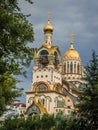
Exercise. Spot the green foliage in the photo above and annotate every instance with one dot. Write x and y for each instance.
(47, 122)
(15, 32)
(91, 72)
(8, 91)
(36, 122)
(88, 106)
(15, 54)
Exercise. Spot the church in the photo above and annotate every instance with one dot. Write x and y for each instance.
(55, 79)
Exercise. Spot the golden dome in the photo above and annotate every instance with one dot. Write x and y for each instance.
(48, 27)
(72, 54)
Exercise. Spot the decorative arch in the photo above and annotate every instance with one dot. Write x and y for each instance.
(45, 101)
(49, 98)
(30, 100)
(36, 108)
(33, 109)
(57, 87)
(42, 51)
(35, 88)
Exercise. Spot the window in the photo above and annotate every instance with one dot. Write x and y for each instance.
(42, 87)
(71, 67)
(78, 68)
(59, 102)
(43, 58)
(74, 67)
(57, 89)
(67, 67)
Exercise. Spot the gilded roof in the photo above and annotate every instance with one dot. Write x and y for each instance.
(72, 53)
(48, 27)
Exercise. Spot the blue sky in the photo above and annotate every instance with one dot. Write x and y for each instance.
(67, 16)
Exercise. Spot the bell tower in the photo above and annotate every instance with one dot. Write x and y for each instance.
(47, 59)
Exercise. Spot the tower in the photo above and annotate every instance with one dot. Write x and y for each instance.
(72, 65)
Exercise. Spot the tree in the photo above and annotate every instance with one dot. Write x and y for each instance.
(88, 106)
(15, 54)
(47, 122)
(91, 72)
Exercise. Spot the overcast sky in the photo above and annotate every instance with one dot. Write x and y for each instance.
(67, 16)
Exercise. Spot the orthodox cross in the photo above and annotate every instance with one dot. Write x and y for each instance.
(72, 36)
(49, 14)
(72, 40)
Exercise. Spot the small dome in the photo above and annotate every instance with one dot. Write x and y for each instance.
(71, 54)
(48, 27)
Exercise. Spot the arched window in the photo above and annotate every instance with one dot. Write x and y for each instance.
(43, 101)
(71, 67)
(59, 102)
(42, 87)
(43, 53)
(30, 100)
(57, 89)
(78, 68)
(56, 58)
(67, 67)
(75, 67)
(43, 58)
(56, 54)
(33, 109)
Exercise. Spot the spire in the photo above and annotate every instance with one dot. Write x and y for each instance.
(72, 40)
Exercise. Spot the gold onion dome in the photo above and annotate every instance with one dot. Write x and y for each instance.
(71, 53)
(48, 27)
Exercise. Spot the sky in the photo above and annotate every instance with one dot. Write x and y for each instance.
(67, 16)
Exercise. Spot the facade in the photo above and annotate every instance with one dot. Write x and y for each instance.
(55, 80)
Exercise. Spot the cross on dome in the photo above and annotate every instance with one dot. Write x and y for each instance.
(49, 14)
(72, 36)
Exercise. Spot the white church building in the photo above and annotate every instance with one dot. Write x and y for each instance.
(55, 79)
